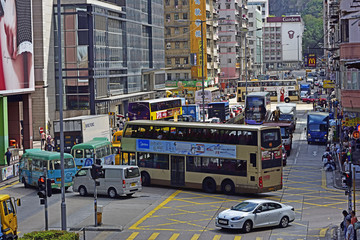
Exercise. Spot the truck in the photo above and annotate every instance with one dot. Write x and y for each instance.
(317, 127)
(192, 110)
(286, 134)
(305, 87)
(81, 129)
(219, 110)
(8, 214)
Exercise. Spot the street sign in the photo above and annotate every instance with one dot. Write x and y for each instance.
(328, 84)
(311, 60)
(41, 130)
(356, 134)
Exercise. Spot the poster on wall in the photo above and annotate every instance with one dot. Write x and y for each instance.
(7, 172)
(16, 47)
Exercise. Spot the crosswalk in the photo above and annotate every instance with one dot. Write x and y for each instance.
(196, 236)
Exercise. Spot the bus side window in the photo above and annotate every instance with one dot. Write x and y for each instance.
(88, 153)
(51, 165)
(79, 153)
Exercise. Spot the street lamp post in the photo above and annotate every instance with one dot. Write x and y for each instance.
(298, 49)
(202, 70)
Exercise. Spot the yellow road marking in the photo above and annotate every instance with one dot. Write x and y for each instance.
(280, 239)
(153, 236)
(217, 237)
(237, 238)
(195, 237)
(258, 238)
(171, 197)
(323, 232)
(10, 185)
(132, 236)
(174, 236)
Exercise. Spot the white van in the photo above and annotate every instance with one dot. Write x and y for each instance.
(115, 180)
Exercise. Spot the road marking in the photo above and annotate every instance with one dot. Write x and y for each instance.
(323, 232)
(258, 238)
(153, 236)
(171, 197)
(174, 236)
(217, 237)
(10, 185)
(314, 153)
(280, 239)
(237, 238)
(195, 237)
(132, 236)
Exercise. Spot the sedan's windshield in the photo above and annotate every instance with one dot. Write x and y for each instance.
(245, 207)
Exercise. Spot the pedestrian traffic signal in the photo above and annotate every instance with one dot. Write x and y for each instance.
(48, 188)
(348, 179)
(95, 171)
(42, 189)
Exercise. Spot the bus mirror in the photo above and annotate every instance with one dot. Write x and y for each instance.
(18, 202)
(304, 129)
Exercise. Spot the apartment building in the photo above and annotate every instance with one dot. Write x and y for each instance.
(264, 4)
(255, 40)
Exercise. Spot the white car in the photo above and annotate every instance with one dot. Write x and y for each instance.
(256, 213)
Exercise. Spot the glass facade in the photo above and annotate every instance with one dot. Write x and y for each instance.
(109, 47)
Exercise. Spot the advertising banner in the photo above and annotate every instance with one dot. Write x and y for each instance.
(186, 148)
(7, 172)
(16, 47)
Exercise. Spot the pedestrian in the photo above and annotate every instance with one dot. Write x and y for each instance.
(353, 221)
(8, 156)
(43, 140)
(346, 166)
(350, 232)
(343, 223)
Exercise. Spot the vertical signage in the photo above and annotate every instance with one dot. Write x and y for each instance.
(198, 18)
(311, 60)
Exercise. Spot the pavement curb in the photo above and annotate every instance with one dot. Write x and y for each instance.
(98, 229)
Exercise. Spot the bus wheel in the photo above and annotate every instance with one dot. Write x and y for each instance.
(24, 182)
(145, 178)
(82, 191)
(112, 192)
(228, 187)
(209, 185)
(287, 100)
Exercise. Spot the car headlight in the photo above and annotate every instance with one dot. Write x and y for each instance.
(236, 218)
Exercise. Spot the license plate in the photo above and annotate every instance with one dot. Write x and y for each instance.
(316, 140)
(133, 184)
(222, 221)
(58, 179)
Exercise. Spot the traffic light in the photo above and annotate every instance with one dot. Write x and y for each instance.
(95, 171)
(48, 187)
(42, 189)
(348, 179)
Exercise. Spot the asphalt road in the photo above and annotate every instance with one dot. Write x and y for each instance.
(167, 213)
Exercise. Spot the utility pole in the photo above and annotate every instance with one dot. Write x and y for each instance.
(202, 71)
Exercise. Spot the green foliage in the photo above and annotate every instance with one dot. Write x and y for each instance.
(50, 235)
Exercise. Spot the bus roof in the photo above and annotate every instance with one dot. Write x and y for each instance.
(44, 155)
(258, 93)
(277, 124)
(4, 197)
(114, 166)
(96, 142)
(212, 103)
(318, 113)
(197, 124)
(157, 100)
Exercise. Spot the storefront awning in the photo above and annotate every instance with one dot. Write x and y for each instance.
(353, 64)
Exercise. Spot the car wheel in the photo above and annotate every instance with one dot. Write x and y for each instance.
(209, 185)
(82, 191)
(284, 222)
(145, 179)
(228, 187)
(24, 182)
(287, 100)
(112, 193)
(247, 226)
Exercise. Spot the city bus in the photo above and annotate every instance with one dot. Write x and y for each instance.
(230, 158)
(317, 127)
(116, 145)
(257, 108)
(155, 109)
(96, 151)
(33, 162)
(280, 90)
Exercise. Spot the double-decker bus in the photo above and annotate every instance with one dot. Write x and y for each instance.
(155, 109)
(33, 162)
(280, 90)
(98, 150)
(220, 110)
(257, 108)
(214, 157)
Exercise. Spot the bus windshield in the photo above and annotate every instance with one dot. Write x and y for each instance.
(284, 132)
(139, 110)
(318, 127)
(270, 138)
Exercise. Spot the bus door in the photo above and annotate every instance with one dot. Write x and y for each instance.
(177, 170)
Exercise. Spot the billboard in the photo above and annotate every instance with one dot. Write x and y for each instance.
(291, 39)
(16, 47)
(198, 20)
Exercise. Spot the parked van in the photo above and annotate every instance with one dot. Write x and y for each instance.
(8, 217)
(115, 180)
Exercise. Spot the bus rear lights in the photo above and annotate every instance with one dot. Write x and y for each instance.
(260, 182)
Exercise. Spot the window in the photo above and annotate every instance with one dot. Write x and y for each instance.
(229, 49)
(177, 31)
(79, 153)
(177, 45)
(184, 2)
(270, 138)
(152, 160)
(167, 2)
(177, 60)
(186, 75)
(185, 16)
(229, 60)
(176, 16)
(251, 24)
(132, 172)
(227, 5)
(168, 61)
(185, 30)
(177, 76)
(186, 44)
(216, 165)
(81, 172)
(251, 15)
(186, 60)
(167, 31)
(168, 18)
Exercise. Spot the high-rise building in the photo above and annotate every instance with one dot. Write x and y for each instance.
(113, 53)
(255, 40)
(264, 4)
(232, 31)
(282, 42)
(185, 22)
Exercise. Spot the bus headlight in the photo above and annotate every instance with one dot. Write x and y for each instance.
(309, 135)
(325, 136)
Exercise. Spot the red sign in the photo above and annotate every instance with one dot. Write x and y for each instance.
(41, 130)
(312, 61)
(356, 134)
